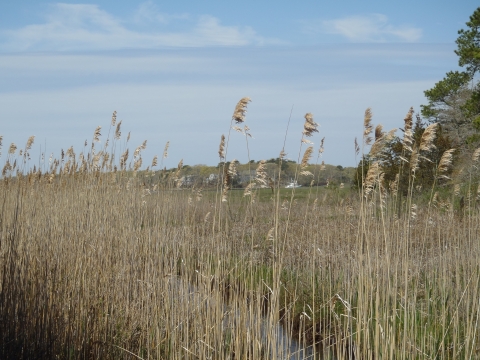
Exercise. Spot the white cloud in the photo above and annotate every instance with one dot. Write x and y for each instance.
(71, 27)
(148, 12)
(366, 28)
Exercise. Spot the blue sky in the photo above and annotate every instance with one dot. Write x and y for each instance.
(174, 71)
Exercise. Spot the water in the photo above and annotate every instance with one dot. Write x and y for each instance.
(197, 302)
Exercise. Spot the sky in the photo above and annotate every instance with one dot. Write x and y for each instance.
(174, 71)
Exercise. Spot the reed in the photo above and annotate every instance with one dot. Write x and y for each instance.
(99, 261)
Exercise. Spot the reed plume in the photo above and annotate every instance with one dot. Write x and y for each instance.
(310, 126)
(378, 132)
(12, 149)
(372, 176)
(414, 160)
(30, 141)
(367, 125)
(408, 134)
(446, 160)
(241, 110)
(475, 156)
(97, 134)
(118, 132)
(114, 118)
(221, 148)
(165, 150)
(426, 142)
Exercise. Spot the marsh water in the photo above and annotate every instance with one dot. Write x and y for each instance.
(191, 297)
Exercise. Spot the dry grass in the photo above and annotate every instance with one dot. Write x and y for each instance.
(104, 264)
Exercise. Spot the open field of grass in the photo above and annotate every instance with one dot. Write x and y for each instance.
(96, 262)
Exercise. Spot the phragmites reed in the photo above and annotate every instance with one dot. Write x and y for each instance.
(408, 134)
(29, 143)
(123, 160)
(165, 150)
(414, 160)
(306, 158)
(381, 141)
(321, 149)
(367, 125)
(378, 132)
(118, 133)
(155, 161)
(248, 189)
(426, 143)
(475, 156)
(1, 143)
(137, 164)
(221, 148)
(136, 153)
(12, 149)
(240, 110)
(310, 126)
(114, 118)
(261, 173)
(357, 148)
(372, 176)
(97, 134)
(446, 160)
(176, 176)
(232, 168)
(456, 189)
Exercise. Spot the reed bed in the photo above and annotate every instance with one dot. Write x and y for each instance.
(97, 261)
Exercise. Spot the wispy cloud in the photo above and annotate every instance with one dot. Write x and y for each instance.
(87, 27)
(365, 28)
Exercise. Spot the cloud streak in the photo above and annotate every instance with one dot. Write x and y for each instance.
(74, 27)
(365, 28)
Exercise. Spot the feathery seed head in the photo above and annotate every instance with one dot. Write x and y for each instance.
(310, 126)
(445, 160)
(248, 189)
(367, 125)
(114, 118)
(306, 157)
(155, 161)
(378, 132)
(12, 149)
(475, 157)
(118, 132)
(137, 164)
(320, 150)
(232, 168)
(29, 143)
(96, 134)
(221, 148)
(123, 160)
(426, 143)
(240, 110)
(165, 150)
(261, 174)
(414, 160)
(372, 175)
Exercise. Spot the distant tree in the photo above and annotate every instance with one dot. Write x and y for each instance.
(454, 102)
